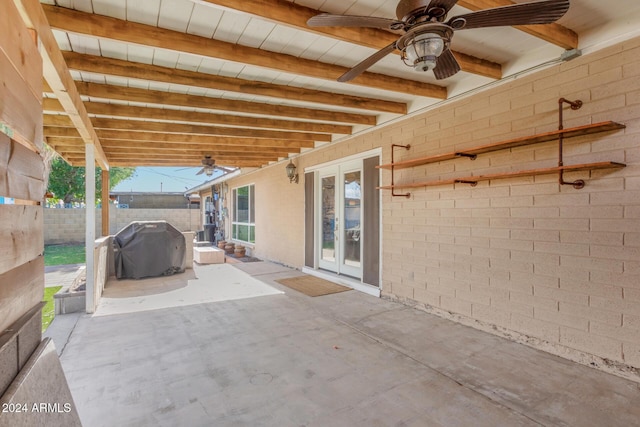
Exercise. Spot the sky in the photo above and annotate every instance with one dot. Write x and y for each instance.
(165, 179)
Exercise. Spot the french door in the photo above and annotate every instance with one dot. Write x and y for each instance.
(340, 218)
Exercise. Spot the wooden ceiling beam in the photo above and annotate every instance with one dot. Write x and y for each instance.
(117, 110)
(160, 154)
(196, 157)
(179, 140)
(147, 96)
(58, 77)
(150, 163)
(215, 142)
(130, 32)
(110, 145)
(551, 33)
(60, 131)
(136, 70)
(61, 120)
(54, 128)
(180, 128)
(296, 16)
(61, 147)
(173, 150)
(141, 137)
(79, 161)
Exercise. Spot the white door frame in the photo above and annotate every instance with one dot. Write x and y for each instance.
(315, 271)
(338, 263)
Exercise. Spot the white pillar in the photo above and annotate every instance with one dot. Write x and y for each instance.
(90, 232)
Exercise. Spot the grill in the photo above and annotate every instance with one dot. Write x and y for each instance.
(149, 249)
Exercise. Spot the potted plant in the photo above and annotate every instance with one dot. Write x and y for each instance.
(240, 251)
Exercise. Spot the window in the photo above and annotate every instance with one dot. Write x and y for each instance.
(243, 222)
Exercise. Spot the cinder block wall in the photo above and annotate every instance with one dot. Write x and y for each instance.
(556, 264)
(68, 225)
(557, 267)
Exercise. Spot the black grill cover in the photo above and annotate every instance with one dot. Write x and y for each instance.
(149, 249)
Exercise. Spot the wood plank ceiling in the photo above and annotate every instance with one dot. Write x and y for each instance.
(167, 82)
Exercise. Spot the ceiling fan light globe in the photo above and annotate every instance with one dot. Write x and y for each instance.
(426, 63)
(424, 45)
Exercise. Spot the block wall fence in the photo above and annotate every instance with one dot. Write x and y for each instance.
(548, 265)
(68, 225)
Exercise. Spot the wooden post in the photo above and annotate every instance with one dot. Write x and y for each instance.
(105, 202)
(90, 232)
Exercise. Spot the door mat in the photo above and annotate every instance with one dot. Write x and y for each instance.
(233, 258)
(312, 286)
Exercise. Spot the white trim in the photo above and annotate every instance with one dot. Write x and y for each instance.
(318, 231)
(234, 210)
(345, 281)
(380, 228)
(357, 284)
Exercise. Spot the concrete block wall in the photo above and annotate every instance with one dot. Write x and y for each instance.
(153, 200)
(68, 225)
(555, 266)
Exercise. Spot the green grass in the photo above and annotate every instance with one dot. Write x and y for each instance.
(49, 310)
(64, 254)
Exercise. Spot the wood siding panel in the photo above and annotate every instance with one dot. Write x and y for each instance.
(21, 228)
(21, 171)
(20, 109)
(20, 290)
(22, 51)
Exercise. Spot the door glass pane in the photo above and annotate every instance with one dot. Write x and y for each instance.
(328, 218)
(352, 203)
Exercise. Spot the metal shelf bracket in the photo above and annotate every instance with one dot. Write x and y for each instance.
(393, 191)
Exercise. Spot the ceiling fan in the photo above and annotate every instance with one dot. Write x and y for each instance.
(425, 44)
(209, 165)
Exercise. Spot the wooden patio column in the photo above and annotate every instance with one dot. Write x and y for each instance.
(90, 232)
(105, 202)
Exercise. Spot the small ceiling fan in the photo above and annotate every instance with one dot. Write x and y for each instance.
(425, 44)
(209, 165)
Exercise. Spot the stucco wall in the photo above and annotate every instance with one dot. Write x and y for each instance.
(68, 225)
(557, 265)
(279, 215)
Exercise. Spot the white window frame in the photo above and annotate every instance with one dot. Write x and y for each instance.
(251, 221)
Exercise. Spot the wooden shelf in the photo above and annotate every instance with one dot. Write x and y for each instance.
(530, 172)
(511, 143)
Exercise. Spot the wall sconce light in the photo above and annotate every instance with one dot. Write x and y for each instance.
(291, 172)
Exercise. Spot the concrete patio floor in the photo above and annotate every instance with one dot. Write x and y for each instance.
(285, 359)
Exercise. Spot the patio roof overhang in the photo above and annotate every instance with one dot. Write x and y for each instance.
(249, 83)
